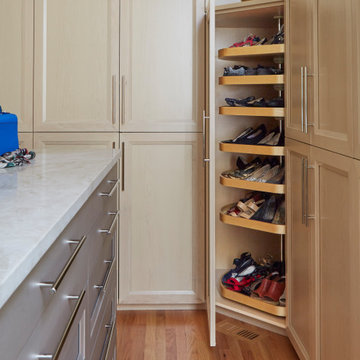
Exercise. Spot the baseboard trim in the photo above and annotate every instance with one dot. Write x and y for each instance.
(251, 321)
(144, 307)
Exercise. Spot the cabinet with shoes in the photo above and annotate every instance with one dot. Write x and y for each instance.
(246, 152)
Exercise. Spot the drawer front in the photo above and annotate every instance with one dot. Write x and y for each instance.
(52, 325)
(105, 197)
(31, 299)
(107, 328)
(98, 296)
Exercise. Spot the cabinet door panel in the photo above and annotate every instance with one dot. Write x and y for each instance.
(162, 65)
(334, 125)
(300, 253)
(26, 140)
(161, 220)
(356, 32)
(337, 219)
(78, 140)
(76, 65)
(16, 60)
(300, 54)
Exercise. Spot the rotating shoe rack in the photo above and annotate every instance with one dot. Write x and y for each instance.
(276, 52)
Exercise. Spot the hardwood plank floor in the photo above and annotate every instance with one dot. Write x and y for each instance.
(183, 335)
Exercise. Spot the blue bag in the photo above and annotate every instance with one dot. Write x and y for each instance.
(9, 140)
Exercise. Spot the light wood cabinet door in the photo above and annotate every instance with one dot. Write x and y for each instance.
(210, 179)
(76, 65)
(300, 251)
(16, 60)
(356, 32)
(161, 253)
(337, 198)
(162, 65)
(337, 80)
(76, 140)
(299, 60)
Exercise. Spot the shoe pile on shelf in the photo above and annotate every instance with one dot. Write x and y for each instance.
(253, 40)
(264, 171)
(251, 101)
(264, 280)
(258, 137)
(261, 207)
(242, 70)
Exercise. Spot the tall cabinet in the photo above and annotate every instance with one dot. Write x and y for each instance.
(323, 201)
(162, 100)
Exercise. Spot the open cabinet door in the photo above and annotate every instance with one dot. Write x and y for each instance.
(209, 161)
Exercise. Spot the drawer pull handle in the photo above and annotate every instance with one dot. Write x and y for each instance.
(107, 277)
(66, 331)
(55, 285)
(109, 231)
(111, 193)
(110, 338)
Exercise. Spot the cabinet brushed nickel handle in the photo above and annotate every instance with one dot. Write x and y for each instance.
(302, 97)
(113, 99)
(306, 99)
(307, 216)
(122, 166)
(302, 191)
(205, 158)
(105, 282)
(110, 230)
(123, 99)
(62, 341)
(111, 193)
(107, 352)
(54, 286)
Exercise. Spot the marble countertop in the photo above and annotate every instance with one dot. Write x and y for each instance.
(37, 202)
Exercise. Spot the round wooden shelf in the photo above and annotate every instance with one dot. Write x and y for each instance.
(252, 80)
(252, 111)
(253, 185)
(251, 224)
(252, 149)
(252, 302)
(240, 52)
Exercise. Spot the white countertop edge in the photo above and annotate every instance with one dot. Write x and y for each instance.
(19, 273)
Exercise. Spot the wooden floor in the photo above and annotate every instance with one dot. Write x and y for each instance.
(183, 335)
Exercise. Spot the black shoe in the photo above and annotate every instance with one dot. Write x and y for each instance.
(243, 134)
(254, 137)
(277, 102)
(267, 211)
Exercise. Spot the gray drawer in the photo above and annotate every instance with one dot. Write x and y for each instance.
(28, 303)
(52, 324)
(107, 328)
(104, 274)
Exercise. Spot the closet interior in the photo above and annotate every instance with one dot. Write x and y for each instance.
(236, 234)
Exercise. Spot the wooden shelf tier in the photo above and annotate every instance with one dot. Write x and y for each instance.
(252, 302)
(252, 80)
(251, 224)
(245, 310)
(252, 111)
(238, 53)
(253, 185)
(245, 14)
(252, 149)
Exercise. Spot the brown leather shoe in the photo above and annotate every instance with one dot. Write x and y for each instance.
(263, 288)
(276, 289)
